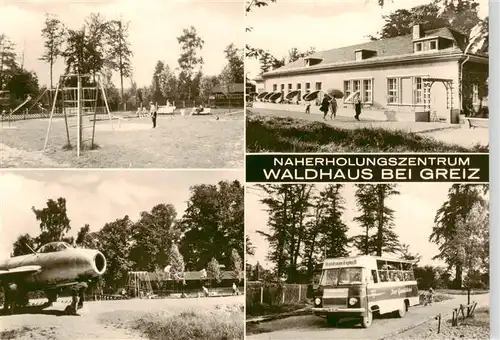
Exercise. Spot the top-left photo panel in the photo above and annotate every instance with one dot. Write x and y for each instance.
(122, 84)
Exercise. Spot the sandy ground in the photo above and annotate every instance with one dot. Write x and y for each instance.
(447, 133)
(313, 327)
(100, 320)
(211, 141)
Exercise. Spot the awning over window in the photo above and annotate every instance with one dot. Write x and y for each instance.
(275, 96)
(311, 96)
(293, 94)
(262, 95)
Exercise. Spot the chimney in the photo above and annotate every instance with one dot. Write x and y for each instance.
(417, 31)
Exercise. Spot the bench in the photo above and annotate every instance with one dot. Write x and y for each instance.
(166, 109)
(205, 111)
(477, 122)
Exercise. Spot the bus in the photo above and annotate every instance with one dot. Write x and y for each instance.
(358, 287)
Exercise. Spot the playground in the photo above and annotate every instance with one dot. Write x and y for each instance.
(211, 141)
(77, 129)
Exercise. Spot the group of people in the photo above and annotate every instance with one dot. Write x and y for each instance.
(330, 105)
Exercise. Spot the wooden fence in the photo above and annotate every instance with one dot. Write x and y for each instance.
(276, 294)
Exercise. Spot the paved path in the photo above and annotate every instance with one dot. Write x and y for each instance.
(313, 327)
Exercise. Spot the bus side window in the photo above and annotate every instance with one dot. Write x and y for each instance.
(383, 276)
(374, 276)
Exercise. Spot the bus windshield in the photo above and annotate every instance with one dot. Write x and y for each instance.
(341, 276)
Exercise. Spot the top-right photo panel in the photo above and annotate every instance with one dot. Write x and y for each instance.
(367, 76)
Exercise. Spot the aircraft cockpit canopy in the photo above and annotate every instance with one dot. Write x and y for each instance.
(53, 247)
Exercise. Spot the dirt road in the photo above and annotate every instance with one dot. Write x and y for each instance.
(312, 327)
(100, 320)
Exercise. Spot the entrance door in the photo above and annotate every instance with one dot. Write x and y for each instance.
(439, 102)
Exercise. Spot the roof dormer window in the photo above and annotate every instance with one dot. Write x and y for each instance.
(364, 54)
(312, 61)
(433, 45)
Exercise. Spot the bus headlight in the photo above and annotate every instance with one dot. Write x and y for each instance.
(353, 301)
(317, 301)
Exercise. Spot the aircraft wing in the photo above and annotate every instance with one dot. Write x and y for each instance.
(19, 271)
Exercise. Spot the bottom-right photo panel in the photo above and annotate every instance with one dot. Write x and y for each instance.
(367, 261)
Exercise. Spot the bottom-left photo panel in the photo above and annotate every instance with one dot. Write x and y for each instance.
(122, 254)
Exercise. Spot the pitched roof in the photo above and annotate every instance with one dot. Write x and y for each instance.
(235, 87)
(386, 49)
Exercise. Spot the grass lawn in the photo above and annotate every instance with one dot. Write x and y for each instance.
(217, 324)
(212, 141)
(281, 134)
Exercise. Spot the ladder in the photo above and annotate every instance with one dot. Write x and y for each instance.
(78, 102)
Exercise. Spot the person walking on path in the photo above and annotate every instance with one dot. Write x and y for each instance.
(325, 105)
(333, 106)
(357, 107)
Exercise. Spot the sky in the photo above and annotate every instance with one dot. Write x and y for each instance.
(415, 209)
(93, 197)
(325, 24)
(154, 28)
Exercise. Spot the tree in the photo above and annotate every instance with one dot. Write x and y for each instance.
(54, 35)
(120, 52)
(80, 54)
(21, 84)
(153, 235)
(409, 256)
(461, 199)
(207, 84)
(24, 245)
(115, 239)
(167, 82)
(8, 62)
(86, 239)
(375, 214)
(156, 83)
(250, 248)
(189, 60)
(334, 230)
(470, 245)
(460, 15)
(213, 224)
(294, 54)
(54, 222)
(288, 206)
(176, 263)
(235, 63)
(236, 265)
(213, 271)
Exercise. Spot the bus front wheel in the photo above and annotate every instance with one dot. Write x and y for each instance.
(366, 321)
(400, 313)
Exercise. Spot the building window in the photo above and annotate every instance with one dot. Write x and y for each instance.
(347, 88)
(359, 55)
(433, 45)
(356, 86)
(475, 94)
(308, 87)
(418, 86)
(367, 91)
(275, 87)
(392, 90)
(318, 86)
(418, 47)
(298, 86)
(289, 87)
(282, 87)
